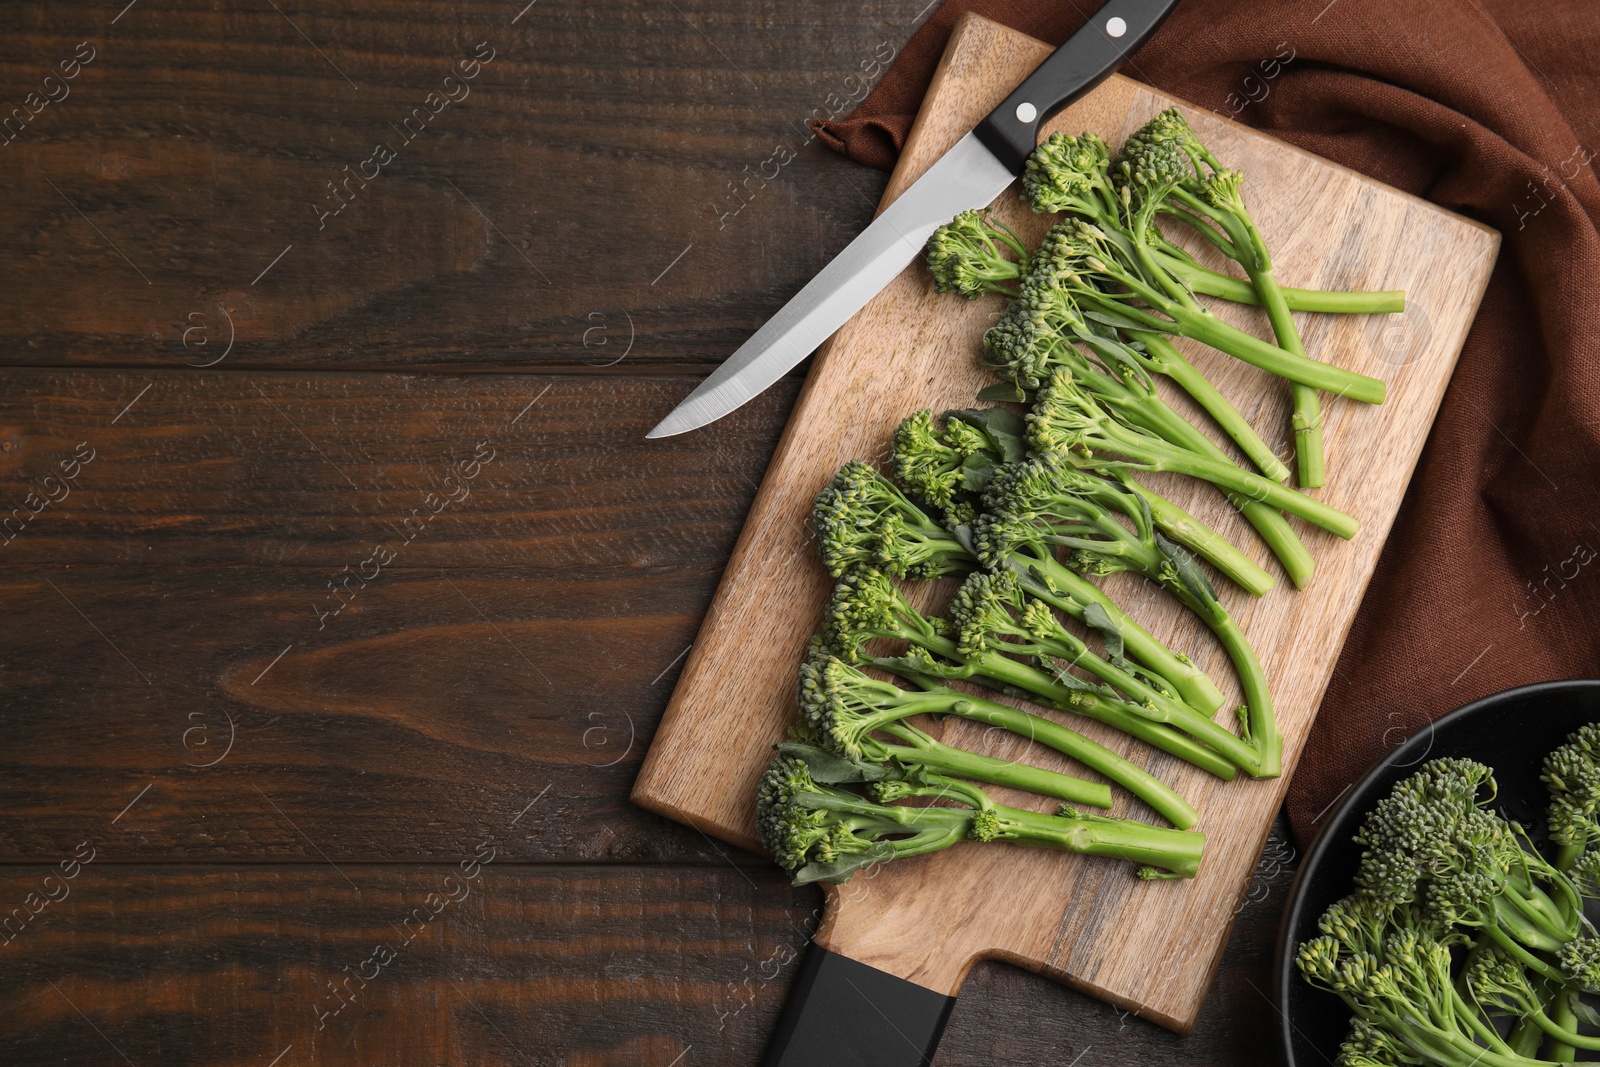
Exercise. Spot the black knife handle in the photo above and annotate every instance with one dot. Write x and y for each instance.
(842, 1013)
(1090, 56)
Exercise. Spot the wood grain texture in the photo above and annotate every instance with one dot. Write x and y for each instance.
(533, 220)
(1152, 946)
(211, 565)
(607, 965)
(311, 470)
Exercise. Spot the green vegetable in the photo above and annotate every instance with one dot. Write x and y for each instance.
(1572, 772)
(975, 264)
(949, 468)
(1043, 504)
(1069, 421)
(1456, 918)
(881, 759)
(863, 519)
(842, 707)
(1041, 332)
(825, 833)
(995, 614)
(867, 606)
(1094, 265)
(967, 255)
(1209, 198)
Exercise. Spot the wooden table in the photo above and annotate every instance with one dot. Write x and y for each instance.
(343, 591)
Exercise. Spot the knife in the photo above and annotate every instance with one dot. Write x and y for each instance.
(971, 174)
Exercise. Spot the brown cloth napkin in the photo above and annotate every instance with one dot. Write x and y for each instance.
(1491, 576)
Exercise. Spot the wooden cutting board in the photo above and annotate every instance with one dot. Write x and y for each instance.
(1149, 946)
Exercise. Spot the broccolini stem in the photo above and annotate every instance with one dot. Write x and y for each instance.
(1527, 919)
(1190, 532)
(1136, 780)
(1285, 544)
(1525, 1038)
(1154, 454)
(1208, 329)
(1069, 592)
(1310, 467)
(1260, 720)
(1219, 407)
(948, 759)
(1172, 712)
(1563, 1035)
(1257, 263)
(1000, 671)
(1199, 225)
(1567, 855)
(1563, 1016)
(1096, 835)
(1208, 282)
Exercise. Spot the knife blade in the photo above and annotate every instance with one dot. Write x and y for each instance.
(971, 174)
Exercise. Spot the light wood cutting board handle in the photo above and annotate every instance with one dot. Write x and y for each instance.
(881, 977)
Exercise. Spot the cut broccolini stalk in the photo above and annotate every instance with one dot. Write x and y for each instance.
(844, 706)
(883, 759)
(862, 519)
(1046, 503)
(868, 606)
(1087, 259)
(1068, 421)
(1165, 163)
(823, 833)
(1207, 282)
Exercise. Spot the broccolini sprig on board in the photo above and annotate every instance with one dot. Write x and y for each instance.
(824, 833)
(843, 706)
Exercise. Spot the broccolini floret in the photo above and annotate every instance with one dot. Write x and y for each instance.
(1572, 773)
(972, 255)
(862, 519)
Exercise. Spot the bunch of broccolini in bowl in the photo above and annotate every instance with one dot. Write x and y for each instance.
(1464, 941)
(1029, 502)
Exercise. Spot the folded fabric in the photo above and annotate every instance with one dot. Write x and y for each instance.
(1491, 575)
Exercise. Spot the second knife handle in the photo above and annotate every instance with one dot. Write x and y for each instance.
(1087, 58)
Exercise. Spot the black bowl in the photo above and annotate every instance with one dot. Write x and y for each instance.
(1511, 732)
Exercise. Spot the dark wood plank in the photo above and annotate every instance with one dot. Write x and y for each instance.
(387, 673)
(434, 700)
(612, 965)
(596, 965)
(532, 221)
(313, 470)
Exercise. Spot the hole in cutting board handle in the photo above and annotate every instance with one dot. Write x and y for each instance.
(842, 1012)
